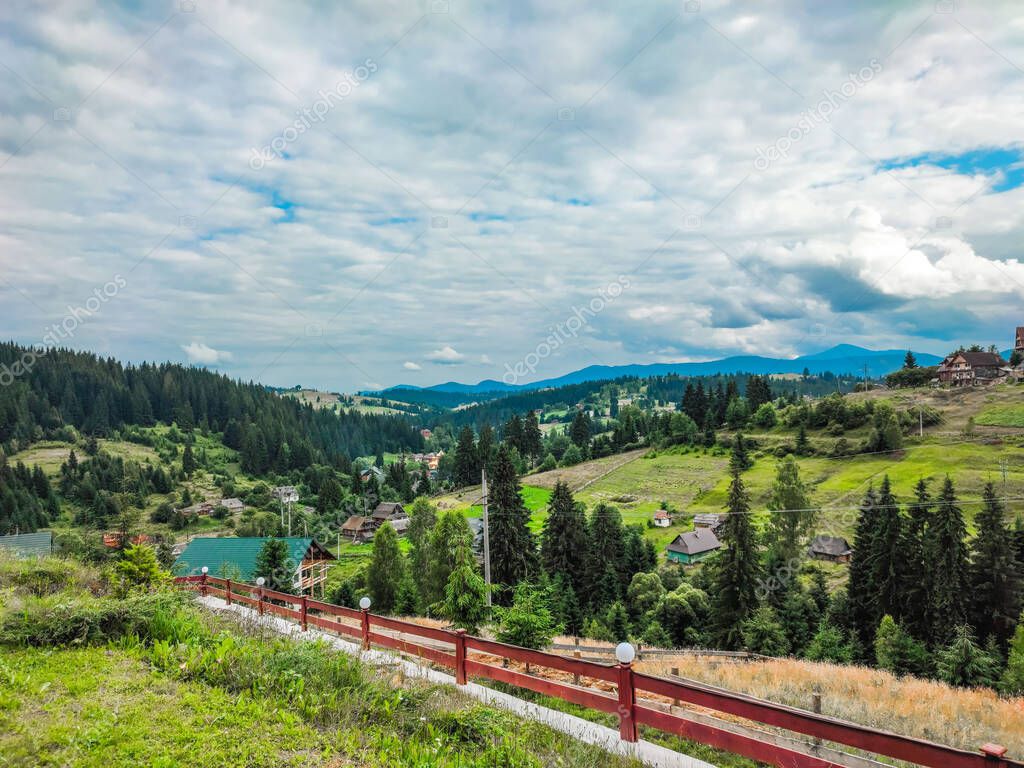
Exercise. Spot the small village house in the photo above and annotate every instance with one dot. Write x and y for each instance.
(662, 519)
(235, 558)
(708, 520)
(232, 505)
(964, 369)
(693, 546)
(391, 513)
(833, 549)
(358, 529)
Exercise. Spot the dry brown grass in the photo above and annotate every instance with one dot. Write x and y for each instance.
(922, 708)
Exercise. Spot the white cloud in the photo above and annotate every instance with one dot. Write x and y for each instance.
(411, 366)
(204, 355)
(446, 355)
(655, 179)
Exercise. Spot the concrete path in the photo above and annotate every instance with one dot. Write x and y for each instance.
(580, 729)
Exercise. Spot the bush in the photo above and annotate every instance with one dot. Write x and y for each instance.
(66, 620)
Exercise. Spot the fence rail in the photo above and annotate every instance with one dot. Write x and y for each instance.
(365, 626)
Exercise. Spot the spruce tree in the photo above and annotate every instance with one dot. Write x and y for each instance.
(863, 602)
(188, 461)
(994, 575)
(763, 633)
(465, 594)
(579, 430)
(606, 554)
(446, 538)
(963, 663)
(563, 544)
(274, 564)
(617, 622)
(915, 571)
(740, 461)
(947, 557)
(512, 547)
(386, 569)
(737, 569)
(467, 464)
(422, 519)
(532, 439)
(887, 557)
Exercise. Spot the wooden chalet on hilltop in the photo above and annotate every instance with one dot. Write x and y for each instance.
(963, 369)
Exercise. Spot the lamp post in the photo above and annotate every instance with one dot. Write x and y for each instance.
(202, 589)
(364, 606)
(260, 581)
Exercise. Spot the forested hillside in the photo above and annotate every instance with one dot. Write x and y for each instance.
(63, 388)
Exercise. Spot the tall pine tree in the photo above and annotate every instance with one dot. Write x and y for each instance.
(737, 569)
(947, 556)
(512, 548)
(994, 577)
(563, 546)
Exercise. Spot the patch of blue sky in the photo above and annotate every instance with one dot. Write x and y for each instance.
(1004, 164)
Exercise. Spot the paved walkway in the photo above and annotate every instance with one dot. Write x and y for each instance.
(580, 729)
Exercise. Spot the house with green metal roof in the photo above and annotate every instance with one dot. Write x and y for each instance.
(234, 558)
(23, 545)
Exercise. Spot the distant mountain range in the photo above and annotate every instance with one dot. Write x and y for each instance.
(841, 359)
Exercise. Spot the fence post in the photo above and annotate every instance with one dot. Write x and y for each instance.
(627, 704)
(366, 628)
(675, 673)
(625, 653)
(460, 657)
(202, 587)
(227, 590)
(305, 613)
(259, 595)
(816, 708)
(576, 675)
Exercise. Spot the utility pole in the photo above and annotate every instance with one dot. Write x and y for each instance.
(487, 537)
(920, 420)
(1003, 467)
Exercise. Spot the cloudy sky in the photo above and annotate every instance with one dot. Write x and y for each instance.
(391, 191)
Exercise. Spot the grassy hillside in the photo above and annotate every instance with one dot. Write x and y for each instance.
(153, 681)
(695, 480)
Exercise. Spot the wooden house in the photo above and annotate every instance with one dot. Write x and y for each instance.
(358, 528)
(834, 549)
(391, 513)
(709, 520)
(692, 546)
(962, 369)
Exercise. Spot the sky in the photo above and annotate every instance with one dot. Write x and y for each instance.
(355, 195)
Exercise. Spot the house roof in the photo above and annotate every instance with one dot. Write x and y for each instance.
(708, 518)
(661, 514)
(836, 546)
(356, 523)
(237, 555)
(28, 544)
(978, 359)
(695, 542)
(385, 509)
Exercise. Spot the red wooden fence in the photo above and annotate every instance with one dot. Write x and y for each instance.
(632, 713)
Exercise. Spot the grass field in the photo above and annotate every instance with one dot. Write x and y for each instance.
(695, 481)
(1007, 415)
(100, 708)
